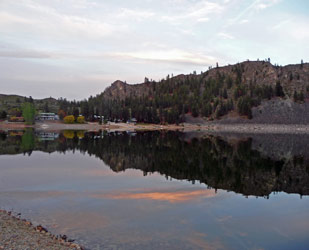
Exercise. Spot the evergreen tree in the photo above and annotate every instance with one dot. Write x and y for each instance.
(279, 90)
(28, 111)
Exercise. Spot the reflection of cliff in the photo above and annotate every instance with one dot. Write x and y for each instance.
(236, 165)
(231, 166)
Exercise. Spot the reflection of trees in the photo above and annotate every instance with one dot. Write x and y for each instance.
(27, 141)
(210, 160)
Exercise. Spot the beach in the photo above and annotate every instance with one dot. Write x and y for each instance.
(185, 127)
(19, 234)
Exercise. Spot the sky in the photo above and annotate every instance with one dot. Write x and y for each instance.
(77, 48)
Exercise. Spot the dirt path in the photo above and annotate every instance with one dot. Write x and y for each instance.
(211, 126)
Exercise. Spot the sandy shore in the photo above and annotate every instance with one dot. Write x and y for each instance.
(19, 234)
(186, 127)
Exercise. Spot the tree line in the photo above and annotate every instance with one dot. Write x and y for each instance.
(171, 99)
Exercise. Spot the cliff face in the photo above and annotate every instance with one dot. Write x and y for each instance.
(120, 90)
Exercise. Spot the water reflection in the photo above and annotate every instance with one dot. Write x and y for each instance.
(160, 195)
(134, 191)
(243, 165)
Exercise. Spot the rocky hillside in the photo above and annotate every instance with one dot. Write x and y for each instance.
(258, 73)
(11, 104)
(212, 94)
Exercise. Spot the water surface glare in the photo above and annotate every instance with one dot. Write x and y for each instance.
(152, 190)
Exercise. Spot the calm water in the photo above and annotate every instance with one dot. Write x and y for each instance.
(154, 190)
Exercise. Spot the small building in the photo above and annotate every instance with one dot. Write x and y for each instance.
(47, 117)
(132, 121)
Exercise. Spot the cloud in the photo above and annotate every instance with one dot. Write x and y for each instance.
(199, 12)
(203, 9)
(12, 51)
(172, 56)
(203, 19)
(43, 21)
(254, 6)
(225, 35)
(243, 21)
(7, 18)
(280, 24)
(263, 4)
(138, 15)
(24, 54)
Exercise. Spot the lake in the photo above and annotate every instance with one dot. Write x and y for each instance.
(160, 190)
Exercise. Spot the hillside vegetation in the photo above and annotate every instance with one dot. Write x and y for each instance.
(12, 104)
(211, 94)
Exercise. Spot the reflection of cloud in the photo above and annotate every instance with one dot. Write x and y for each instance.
(170, 196)
(224, 218)
(33, 195)
(200, 240)
(79, 221)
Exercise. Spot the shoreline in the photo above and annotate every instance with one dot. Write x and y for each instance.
(16, 233)
(186, 127)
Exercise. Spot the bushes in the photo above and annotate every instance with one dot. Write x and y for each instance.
(69, 119)
(80, 119)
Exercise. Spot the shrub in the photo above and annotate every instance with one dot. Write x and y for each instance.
(69, 119)
(80, 119)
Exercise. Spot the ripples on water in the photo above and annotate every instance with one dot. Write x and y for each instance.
(160, 190)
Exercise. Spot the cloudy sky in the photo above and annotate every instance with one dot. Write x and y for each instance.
(76, 48)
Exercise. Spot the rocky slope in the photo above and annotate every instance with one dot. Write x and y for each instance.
(292, 78)
(276, 94)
